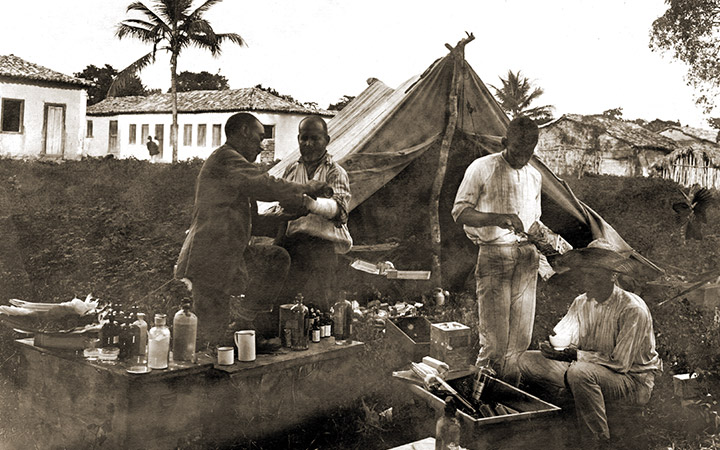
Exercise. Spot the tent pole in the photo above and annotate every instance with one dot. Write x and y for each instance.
(458, 54)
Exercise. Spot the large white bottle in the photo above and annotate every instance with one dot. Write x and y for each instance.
(159, 343)
(184, 334)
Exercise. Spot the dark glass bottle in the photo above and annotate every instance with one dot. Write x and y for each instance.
(300, 324)
(342, 320)
(110, 331)
(315, 330)
(130, 335)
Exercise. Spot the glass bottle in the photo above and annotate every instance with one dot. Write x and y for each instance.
(143, 338)
(342, 320)
(483, 372)
(447, 428)
(123, 335)
(184, 333)
(159, 343)
(315, 331)
(110, 331)
(300, 324)
(328, 325)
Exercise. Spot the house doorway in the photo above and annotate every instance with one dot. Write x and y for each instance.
(54, 130)
(113, 137)
(160, 137)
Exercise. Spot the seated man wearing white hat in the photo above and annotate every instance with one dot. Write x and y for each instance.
(609, 349)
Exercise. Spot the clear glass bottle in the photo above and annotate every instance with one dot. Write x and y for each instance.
(143, 340)
(447, 428)
(159, 343)
(300, 324)
(342, 314)
(184, 333)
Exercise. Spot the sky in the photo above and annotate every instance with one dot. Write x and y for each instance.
(588, 56)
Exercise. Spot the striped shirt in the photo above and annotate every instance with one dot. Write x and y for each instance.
(617, 333)
(330, 172)
(491, 185)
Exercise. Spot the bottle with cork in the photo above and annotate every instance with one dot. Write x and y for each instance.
(447, 428)
(159, 343)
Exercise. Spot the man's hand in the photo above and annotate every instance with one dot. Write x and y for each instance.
(510, 222)
(315, 189)
(293, 208)
(568, 354)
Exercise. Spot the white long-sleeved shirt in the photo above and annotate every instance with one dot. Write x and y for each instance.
(617, 333)
(491, 185)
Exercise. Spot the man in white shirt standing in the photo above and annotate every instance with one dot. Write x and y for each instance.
(497, 202)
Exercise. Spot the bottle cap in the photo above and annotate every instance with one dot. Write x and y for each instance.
(160, 319)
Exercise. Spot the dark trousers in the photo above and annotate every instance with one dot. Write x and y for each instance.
(313, 270)
(267, 267)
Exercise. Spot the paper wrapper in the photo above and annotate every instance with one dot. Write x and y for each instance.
(547, 241)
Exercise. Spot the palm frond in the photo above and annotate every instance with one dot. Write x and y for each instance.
(202, 9)
(146, 11)
(177, 11)
(124, 76)
(701, 201)
(232, 37)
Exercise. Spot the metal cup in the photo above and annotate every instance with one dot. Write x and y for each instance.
(225, 356)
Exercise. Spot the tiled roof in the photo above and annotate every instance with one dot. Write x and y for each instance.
(15, 67)
(629, 132)
(248, 99)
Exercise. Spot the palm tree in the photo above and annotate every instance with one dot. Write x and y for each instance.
(516, 95)
(171, 26)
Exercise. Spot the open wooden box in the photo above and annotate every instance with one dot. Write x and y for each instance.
(535, 424)
(412, 335)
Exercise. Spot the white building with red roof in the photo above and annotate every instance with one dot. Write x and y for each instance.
(42, 112)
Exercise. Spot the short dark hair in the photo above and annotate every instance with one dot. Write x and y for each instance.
(522, 125)
(524, 128)
(237, 121)
(316, 119)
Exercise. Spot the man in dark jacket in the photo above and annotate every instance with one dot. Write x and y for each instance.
(232, 281)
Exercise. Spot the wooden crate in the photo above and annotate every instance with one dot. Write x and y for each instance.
(450, 342)
(411, 335)
(536, 425)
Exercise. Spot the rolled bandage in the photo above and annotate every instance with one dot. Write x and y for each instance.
(325, 207)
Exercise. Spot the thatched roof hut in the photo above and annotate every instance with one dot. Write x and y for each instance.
(696, 163)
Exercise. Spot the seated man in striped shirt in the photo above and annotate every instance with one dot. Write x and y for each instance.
(610, 353)
(314, 240)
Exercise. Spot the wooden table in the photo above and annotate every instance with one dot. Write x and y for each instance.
(84, 404)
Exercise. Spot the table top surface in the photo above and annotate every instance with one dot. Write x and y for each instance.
(207, 360)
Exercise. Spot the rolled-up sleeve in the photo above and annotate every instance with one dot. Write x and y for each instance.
(340, 183)
(469, 191)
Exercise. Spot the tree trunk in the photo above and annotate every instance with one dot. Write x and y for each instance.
(458, 54)
(173, 90)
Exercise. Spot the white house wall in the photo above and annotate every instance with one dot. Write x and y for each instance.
(29, 143)
(286, 126)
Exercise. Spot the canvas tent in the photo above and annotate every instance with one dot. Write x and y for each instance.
(391, 142)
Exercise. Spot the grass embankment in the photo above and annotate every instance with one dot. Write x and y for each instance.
(114, 229)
